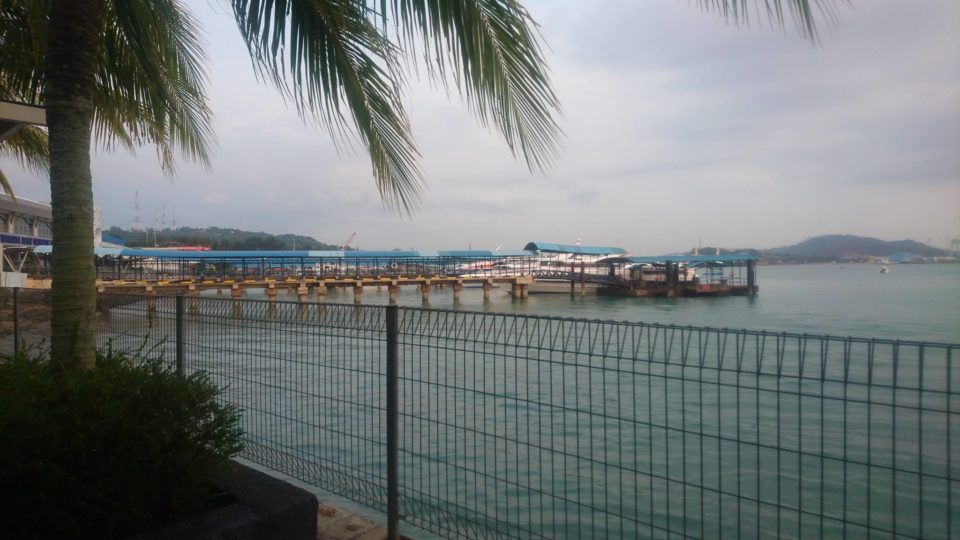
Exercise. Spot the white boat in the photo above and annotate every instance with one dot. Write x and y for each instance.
(884, 269)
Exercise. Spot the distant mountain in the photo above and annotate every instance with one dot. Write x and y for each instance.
(850, 247)
(218, 239)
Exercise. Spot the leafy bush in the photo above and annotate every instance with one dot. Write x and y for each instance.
(106, 452)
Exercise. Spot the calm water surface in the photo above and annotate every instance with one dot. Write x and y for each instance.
(539, 443)
(911, 302)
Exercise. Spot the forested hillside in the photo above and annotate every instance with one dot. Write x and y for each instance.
(217, 238)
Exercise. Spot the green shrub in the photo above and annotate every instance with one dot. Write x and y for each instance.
(107, 452)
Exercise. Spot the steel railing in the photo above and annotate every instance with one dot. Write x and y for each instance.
(488, 425)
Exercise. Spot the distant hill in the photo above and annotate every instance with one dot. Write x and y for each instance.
(218, 239)
(849, 247)
(836, 247)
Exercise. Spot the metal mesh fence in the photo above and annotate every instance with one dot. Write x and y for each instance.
(24, 321)
(309, 379)
(545, 427)
(537, 427)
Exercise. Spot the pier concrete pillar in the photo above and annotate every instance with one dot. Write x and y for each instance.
(151, 298)
(515, 290)
(487, 287)
(751, 278)
(583, 278)
(669, 276)
(219, 291)
(457, 288)
(235, 293)
(524, 291)
(271, 292)
(103, 306)
(425, 291)
(302, 291)
(321, 291)
(358, 292)
(393, 289)
(194, 296)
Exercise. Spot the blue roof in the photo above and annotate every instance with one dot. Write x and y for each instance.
(724, 257)
(571, 248)
(174, 254)
(196, 255)
(483, 253)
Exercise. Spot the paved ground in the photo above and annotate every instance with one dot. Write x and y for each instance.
(336, 524)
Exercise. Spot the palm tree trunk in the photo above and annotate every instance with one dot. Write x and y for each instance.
(69, 88)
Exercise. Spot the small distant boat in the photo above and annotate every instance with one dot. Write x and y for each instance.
(884, 269)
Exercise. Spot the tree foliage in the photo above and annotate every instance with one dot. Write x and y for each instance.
(218, 238)
(131, 73)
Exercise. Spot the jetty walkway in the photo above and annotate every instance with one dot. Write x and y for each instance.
(537, 268)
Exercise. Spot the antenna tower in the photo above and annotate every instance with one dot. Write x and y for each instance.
(137, 225)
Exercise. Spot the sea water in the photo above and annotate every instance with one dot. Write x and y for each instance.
(527, 441)
(918, 302)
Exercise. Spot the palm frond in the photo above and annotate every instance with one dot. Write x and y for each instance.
(807, 15)
(28, 147)
(327, 55)
(5, 185)
(490, 49)
(150, 79)
(23, 30)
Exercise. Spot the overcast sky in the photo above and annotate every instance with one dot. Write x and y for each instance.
(679, 129)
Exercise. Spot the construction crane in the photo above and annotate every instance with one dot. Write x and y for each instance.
(346, 245)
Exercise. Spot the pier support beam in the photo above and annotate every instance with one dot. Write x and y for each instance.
(302, 291)
(236, 292)
(525, 291)
(425, 292)
(457, 288)
(393, 289)
(151, 299)
(487, 287)
(103, 306)
(671, 283)
(358, 292)
(271, 292)
(194, 295)
(751, 278)
(321, 291)
(583, 278)
(515, 290)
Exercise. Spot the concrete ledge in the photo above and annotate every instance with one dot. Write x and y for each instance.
(265, 508)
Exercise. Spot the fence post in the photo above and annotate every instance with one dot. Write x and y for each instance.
(16, 322)
(393, 482)
(179, 335)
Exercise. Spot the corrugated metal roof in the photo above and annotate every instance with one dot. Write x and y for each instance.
(724, 257)
(571, 248)
(484, 253)
(363, 254)
(173, 254)
(98, 251)
(196, 255)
